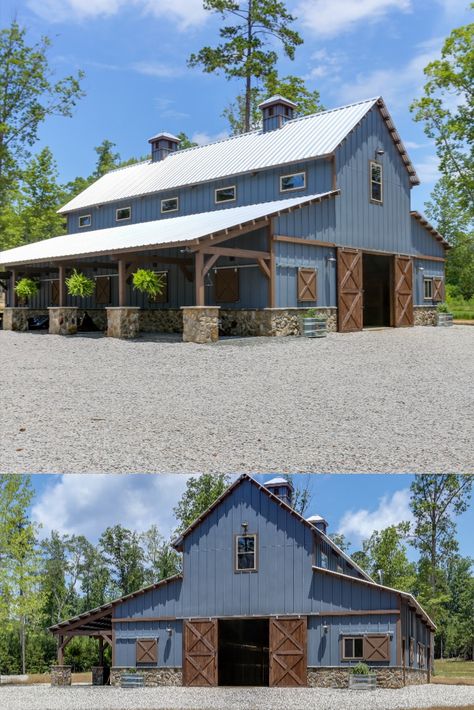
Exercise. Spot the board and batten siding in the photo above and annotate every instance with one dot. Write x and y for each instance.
(423, 269)
(169, 645)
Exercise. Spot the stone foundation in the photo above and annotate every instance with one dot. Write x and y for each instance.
(16, 319)
(424, 315)
(97, 675)
(200, 324)
(62, 320)
(163, 320)
(123, 322)
(270, 321)
(153, 676)
(338, 677)
(61, 675)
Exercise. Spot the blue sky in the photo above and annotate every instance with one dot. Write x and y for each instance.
(353, 504)
(134, 54)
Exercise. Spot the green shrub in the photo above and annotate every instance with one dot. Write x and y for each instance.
(78, 284)
(313, 313)
(360, 669)
(442, 308)
(26, 288)
(149, 282)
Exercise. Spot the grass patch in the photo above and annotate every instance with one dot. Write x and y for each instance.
(454, 672)
(45, 678)
(459, 307)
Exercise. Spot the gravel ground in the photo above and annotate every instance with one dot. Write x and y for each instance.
(89, 698)
(377, 401)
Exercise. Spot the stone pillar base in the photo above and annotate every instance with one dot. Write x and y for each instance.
(200, 324)
(61, 675)
(97, 675)
(62, 320)
(123, 322)
(16, 318)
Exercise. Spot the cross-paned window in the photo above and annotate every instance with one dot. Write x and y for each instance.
(352, 647)
(376, 175)
(428, 289)
(245, 553)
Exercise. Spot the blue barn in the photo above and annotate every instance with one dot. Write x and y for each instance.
(265, 597)
(246, 233)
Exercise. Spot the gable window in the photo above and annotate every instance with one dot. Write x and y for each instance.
(376, 174)
(225, 194)
(428, 289)
(123, 213)
(296, 181)
(324, 560)
(352, 647)
(171, 204)
(85, 220)
(245, 553)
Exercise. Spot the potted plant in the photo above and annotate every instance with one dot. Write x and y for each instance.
(78, 284)
(314, 324)
(443, 316)
(148, 282)
(361, 677)
(26, 288)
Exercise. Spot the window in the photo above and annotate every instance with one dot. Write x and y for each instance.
(171, 204)
(225, 194)
(352, 647)
(428, 289)
(297, 181)
(324, 560)
(123, 213)
(245, 553)
(85, 220)
(376, 173)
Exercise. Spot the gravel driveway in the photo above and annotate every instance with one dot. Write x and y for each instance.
(89, 698)
(376, 401)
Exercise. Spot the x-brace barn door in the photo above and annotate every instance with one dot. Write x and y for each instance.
(288, 652)
(349, 290)
(200, 653)
(403, 292)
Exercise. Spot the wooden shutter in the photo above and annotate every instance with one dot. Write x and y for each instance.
(54, 293)
(147, 651)
(102, 290)
(307, 285)
(200, 653)
(288, 652)
(438, 289)
(349, 290)
(376, 648)
(403, 292)
(226, 285)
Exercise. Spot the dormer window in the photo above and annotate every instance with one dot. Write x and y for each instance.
(85, 220)
(225, 194)
(171, 204)
(123, 213)
(245, 553)
(376, 174)
(295, 181)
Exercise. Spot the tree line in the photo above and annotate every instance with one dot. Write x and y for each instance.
(44, 580)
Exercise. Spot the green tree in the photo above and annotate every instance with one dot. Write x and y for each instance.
(160, 559)
(201, 492)
(185, 141)
(459, 631)
(341, 541)
(41, 196)
(107, 159)
(244, 51)
(386, 558)
(123, 556)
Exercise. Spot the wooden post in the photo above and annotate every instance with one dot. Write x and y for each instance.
(199, 278)
(13, 297)
(62, 286)
(60, 651)
(122, 283)
(101, 651)
(272, 279)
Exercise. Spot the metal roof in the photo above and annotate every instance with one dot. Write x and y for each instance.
(302, 138)
(163, 232)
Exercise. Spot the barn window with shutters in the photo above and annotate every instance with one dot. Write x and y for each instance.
(226, 285)
(428, 289)
(147, 652)
(438, 289)
(376, 648)
(352, 647)
(307, 285)
(246, 553)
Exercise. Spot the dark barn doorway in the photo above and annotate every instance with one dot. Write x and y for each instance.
(377, 290)
(243, 655)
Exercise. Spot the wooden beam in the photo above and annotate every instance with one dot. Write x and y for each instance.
(135, 619)
(159, 259)
(359, 612)
(13, 300)
(87, 618)
(101, 651)
(62, 286)
(199, 278)
(210, 263)
(231, 233)
(122, 282)
(272, 279)
(398, 630)
(63, 642)
(242, 253)
(262, 265)
(306, 242)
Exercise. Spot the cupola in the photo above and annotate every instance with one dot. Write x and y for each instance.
(318, 522)
(162, 144)
(281, 488)
(276, 111)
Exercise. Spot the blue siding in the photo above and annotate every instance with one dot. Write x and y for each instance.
(423, 242)
(324, 647)
(424, 270)
(169, 647)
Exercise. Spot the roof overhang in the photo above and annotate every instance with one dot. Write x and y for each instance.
(429, 228)
(164, 233)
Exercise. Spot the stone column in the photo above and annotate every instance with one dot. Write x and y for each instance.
(200, 324)
(62, 320)
(97, 675)
(15, 319)
(123, 322)
(61, 675)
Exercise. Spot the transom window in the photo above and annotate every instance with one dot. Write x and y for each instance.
(352, 647)
(225, 194)
(171, 204)
(245, 553)
(123, 213)
(428, 289)
(296, 181)
(376, 175)
(85, 220)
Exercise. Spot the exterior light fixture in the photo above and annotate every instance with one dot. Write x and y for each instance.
(325, 628)
(185, 250)
(420, 268)
(169, 631)
(379, 151)
(331, 259)
(244, 525)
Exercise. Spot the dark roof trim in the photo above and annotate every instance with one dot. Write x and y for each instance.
(414, 179)
(429, 228)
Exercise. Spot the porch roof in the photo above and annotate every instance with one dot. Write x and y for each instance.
(170, 232)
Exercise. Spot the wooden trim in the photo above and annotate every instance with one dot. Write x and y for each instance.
(272, 266)
(132, 620)
(200, 295)
(343, 652)
(398, 631)
(360, 612)
(333, 245)
(429, 258)
(373, 200)
(306, 242)
(250, 569)
(68, 627)
(122, 282)
(263, 266)
(210, 263)
(242, 253)
(62, 286)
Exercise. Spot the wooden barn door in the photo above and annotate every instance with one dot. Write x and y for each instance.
(288, 652)
(403, 292)
(349, 290)
(200, 653)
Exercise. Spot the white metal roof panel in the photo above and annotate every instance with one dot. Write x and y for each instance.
(298, 139)
(149, 234)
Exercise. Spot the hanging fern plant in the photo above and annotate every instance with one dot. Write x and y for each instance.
(78, 284)
(148, 282)
(26, 288)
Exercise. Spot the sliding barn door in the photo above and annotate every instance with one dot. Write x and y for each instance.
(403, 292)
(200, 653)
(288, 652)
(349, 290)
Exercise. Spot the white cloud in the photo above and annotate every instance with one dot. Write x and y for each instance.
(202, 138)
(166, 110)
(187, 13)
(331, 18)
(158, 69)
(428, 169)
(413, 145)
(87, 504)
(325, 65)
(360, 524)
